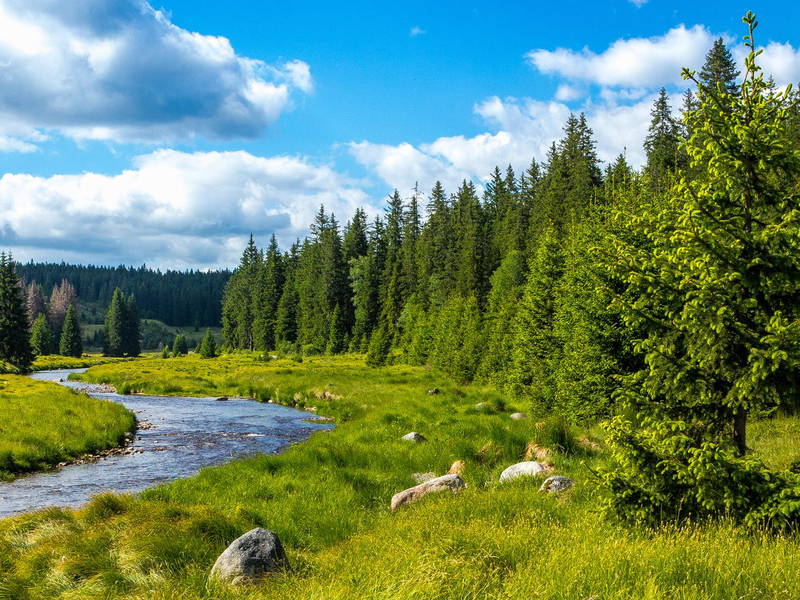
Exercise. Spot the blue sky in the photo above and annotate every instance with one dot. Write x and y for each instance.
(165, 132)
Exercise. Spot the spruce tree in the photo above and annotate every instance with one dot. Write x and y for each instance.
(71, 343)
(180, 346)
(15, 345)
(337, 335)
(208, 346)
(131, 330)
(719, 69)
(35, 301)
(41, 336)
(661, 143)
(115, 324)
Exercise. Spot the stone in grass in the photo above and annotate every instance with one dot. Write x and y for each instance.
(518, 416)
(450, 482)
(556, 483)
(249, 557)
(414, 437)
(433, 391)
(529, 468)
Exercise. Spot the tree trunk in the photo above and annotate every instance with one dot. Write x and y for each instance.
(740, 431)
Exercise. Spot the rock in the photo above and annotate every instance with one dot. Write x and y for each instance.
(457, 468)
(222, 399)
(556, 483)
(433, 391)
(250, 557)
(518, 416)
(414, 437)
(450, 482)
(423, 477)
(483, 406)
(529, 468)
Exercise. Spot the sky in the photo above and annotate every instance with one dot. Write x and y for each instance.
(165, 133)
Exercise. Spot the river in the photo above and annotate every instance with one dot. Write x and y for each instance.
(179, 436)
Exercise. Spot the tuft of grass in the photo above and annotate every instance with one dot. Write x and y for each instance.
(51, 362)
(328, 500)
(42, 424)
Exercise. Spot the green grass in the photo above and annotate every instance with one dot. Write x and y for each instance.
(328, 499)
(42, 424)
(50, 362)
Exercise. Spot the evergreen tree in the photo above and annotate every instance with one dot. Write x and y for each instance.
(131, 328)
(61, 298)
(237, 306)
(71, 343)
(715, 297)
(115, 324)
(337, 335)
(719, 69)
(180, 346)
(286, 314)
(35, 301)
(41, 336)
(208, 346)
(436, 248)
(15, 345)
(661, 143)
(379, 348)
(270, 290)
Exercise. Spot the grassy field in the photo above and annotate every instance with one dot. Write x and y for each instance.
(42, 424)
(328, 500)
(56, 361)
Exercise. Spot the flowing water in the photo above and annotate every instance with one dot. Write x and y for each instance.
(177, 436)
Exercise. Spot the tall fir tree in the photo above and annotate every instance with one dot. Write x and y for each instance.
(71, 343)
(15, 346)
(719, 68)
(41, 337)
(115, 325)
(661, 144)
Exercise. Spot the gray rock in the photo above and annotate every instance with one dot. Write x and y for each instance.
(529, 468)
(250, 557)
(423, 477)
(433, 391)
(482, 406)
(450, 482)
(414, 437)
(518, 416)
(556, 483)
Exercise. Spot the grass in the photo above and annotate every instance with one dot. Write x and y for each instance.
(328, 500)
(51, 362)
(42, 424)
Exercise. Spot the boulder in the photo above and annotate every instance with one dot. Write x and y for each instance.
(528, 468)
(450, 482)
(482, 406)
(556, 483)
(222, 399)
(423, 477)
(414, 437)
(433, 391)
(249, 557)
(518, 416)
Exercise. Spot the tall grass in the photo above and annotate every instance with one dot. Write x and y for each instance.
(328, 500)
(51, 362)
(42, 424)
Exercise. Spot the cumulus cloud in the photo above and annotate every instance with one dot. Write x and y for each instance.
(416, 30)
(638, 3)
(633, 62)
(171, 209)
(122, 71)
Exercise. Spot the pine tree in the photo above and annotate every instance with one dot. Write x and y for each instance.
(715, 298)
(15, 345)
(41, 336)
(661, 143)
(180, 346)
(270, 289)
(719, 69)
(71, 343)
(379, 348)
(536, 347)
(115, 325)
(131, 328)
(436, 248)
(337, 335)
(208, 346)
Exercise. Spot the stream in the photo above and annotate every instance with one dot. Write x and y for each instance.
(176, 438)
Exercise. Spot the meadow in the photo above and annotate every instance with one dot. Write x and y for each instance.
(51, 362)
(42, 424)
(328, 500)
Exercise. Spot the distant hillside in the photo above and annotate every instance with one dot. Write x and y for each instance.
(181, 298)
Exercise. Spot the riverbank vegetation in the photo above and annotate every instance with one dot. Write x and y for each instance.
(43, 424)
(328, 500)
(52, 362)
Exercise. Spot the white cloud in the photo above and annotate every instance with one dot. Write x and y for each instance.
(123, 71)
(416, 30)
(171, 209)
(638, 3)
(634, 62)
(568, 93)
(781, 61)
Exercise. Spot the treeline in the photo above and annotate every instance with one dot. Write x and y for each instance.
(180, 298)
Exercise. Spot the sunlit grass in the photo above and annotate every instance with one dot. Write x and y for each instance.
(42, 423)
(51, 362)
(328, 499)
